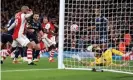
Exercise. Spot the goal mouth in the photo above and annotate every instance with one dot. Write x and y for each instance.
(96, 31)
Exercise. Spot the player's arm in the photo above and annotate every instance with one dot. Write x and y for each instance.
(12, 26)
(107, 22)
(91, 27)
(53, 33)
(5, 29)
(119, 65)
(84, 63)
(29, 14)
(46, 30)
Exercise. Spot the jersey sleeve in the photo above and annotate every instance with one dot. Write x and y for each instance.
(12, 26)
(47, 26)
(26, 15)
(29, 14)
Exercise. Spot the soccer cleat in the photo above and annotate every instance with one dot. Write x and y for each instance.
(51, 60)
(16, 62)
(1, 62)
(36, 60)
(25, 59)
(94, 69)
(31, 63)
(20, 59)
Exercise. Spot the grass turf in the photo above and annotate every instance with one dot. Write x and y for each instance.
(48, 71)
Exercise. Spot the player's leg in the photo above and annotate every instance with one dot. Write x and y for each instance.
(125, 64)
(37, 51)
(46, 40)
(117, 52)
(24, 53)
(52, 49)
(5, 38)
(15, 51)
(3, 54)
(108, 56)
(50, 44)
(24, 41)
(2, 44)
(83, 55)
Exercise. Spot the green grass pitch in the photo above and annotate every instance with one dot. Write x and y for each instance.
(48, 71)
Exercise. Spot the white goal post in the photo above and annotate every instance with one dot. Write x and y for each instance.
(96, 34)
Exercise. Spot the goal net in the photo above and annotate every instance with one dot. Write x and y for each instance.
(96, 34)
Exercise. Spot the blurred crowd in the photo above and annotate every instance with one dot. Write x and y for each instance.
(43, 7)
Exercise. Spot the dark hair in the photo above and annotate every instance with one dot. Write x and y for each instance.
(36, 13)
(46, 16)
(127, 31)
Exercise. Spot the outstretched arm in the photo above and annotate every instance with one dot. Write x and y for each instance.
(12, 26)
(30, 13)
(119, 65)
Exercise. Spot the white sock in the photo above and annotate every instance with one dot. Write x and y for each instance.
(29, 61)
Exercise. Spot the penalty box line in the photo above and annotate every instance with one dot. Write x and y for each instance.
(21, 70)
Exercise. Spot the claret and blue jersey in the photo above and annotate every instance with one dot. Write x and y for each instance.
(101, 24)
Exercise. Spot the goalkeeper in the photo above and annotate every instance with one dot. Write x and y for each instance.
(104, 58)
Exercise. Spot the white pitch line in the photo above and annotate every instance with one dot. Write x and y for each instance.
(21, 70)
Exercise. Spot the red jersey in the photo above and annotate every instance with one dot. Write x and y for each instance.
(20, 22)
(50, 27)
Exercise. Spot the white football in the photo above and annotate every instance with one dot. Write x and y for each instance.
(74, 27)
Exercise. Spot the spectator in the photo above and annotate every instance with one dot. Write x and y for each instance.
(46, 7)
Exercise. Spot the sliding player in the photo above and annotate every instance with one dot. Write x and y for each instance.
(104, 58)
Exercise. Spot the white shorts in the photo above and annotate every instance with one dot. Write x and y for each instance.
(21, 41)
(48, 42)
(53, 40)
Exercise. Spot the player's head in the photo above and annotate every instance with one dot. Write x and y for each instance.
(36, 16)
(25, 9)
(53, 19)
(45, 19)
(97, 12)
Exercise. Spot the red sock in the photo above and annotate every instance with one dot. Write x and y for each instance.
(29, 55)
(51, 54)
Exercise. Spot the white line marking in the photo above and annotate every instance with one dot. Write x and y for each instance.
(21, 70)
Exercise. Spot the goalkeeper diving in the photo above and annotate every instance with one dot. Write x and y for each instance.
(103, 57)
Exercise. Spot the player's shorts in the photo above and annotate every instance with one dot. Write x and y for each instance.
(6, 38)
(32, 37)
(21, 41)
(48, 41)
